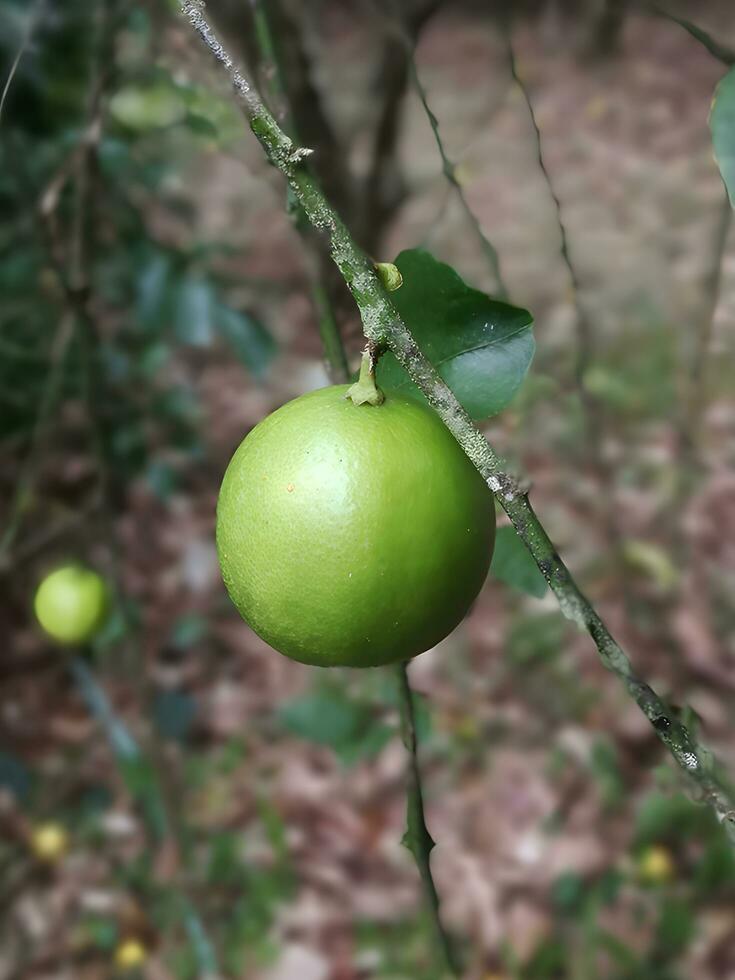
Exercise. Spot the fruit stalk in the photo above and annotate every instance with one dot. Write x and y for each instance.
(365, 391)
(383, 325)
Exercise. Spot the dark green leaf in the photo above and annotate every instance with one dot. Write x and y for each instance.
(372, 740)
(568, 892)
(513, 564)
(248, 338)
(480, 346)
(675, 926)
(201, 125)
(161, 478)
(14, 775)
(189, 630)
(174, 713)
(722, 124)
(535, 638)
(103, 933)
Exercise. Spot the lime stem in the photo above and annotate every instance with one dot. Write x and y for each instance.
(365, 391)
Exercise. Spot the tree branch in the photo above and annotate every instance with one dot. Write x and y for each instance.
(417, 837)
(383, 325)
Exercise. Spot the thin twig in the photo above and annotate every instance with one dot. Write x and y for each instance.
(712, 286)
(23, 491)
(383, 324)
(716, 49)
(584, 327)
(407, 38)
(449, 169)
(417, 837)
(694, 387)
(33, 17)
(584, 347)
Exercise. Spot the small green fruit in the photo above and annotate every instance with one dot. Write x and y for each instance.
(71, 604)
(353, 535)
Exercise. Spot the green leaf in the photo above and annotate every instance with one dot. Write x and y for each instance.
(248, 338)
(152, 291)
(194, 312)
(669, 818)
(331, 717)
(481, 347)
(722, 124)
(513, 564)
(534, 639)
(327, 718)
(147, 107)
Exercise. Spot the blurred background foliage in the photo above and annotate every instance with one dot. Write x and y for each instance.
(206, 807)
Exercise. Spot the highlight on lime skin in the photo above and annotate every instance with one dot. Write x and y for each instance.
(71, 604)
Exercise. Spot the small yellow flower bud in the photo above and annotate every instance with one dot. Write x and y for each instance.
(656, 865)
(130, 953)
(49, 842)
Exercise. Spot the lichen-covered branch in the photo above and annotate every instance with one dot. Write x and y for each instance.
(383, 325)
(417, 837)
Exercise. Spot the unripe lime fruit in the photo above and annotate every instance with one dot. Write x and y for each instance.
(353, 535)
(71, 604)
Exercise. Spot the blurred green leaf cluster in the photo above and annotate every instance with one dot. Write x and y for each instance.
(154, 295)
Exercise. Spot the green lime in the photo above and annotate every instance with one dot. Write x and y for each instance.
(353, 535)
(71, 604)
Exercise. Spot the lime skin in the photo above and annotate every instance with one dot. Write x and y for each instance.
(71, 604)
(353, 535)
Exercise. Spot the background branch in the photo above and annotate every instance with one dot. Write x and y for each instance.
(713, 281)
(383, 325)
(326, 286)
(384, 187)
(591, 415)
(720, 51)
